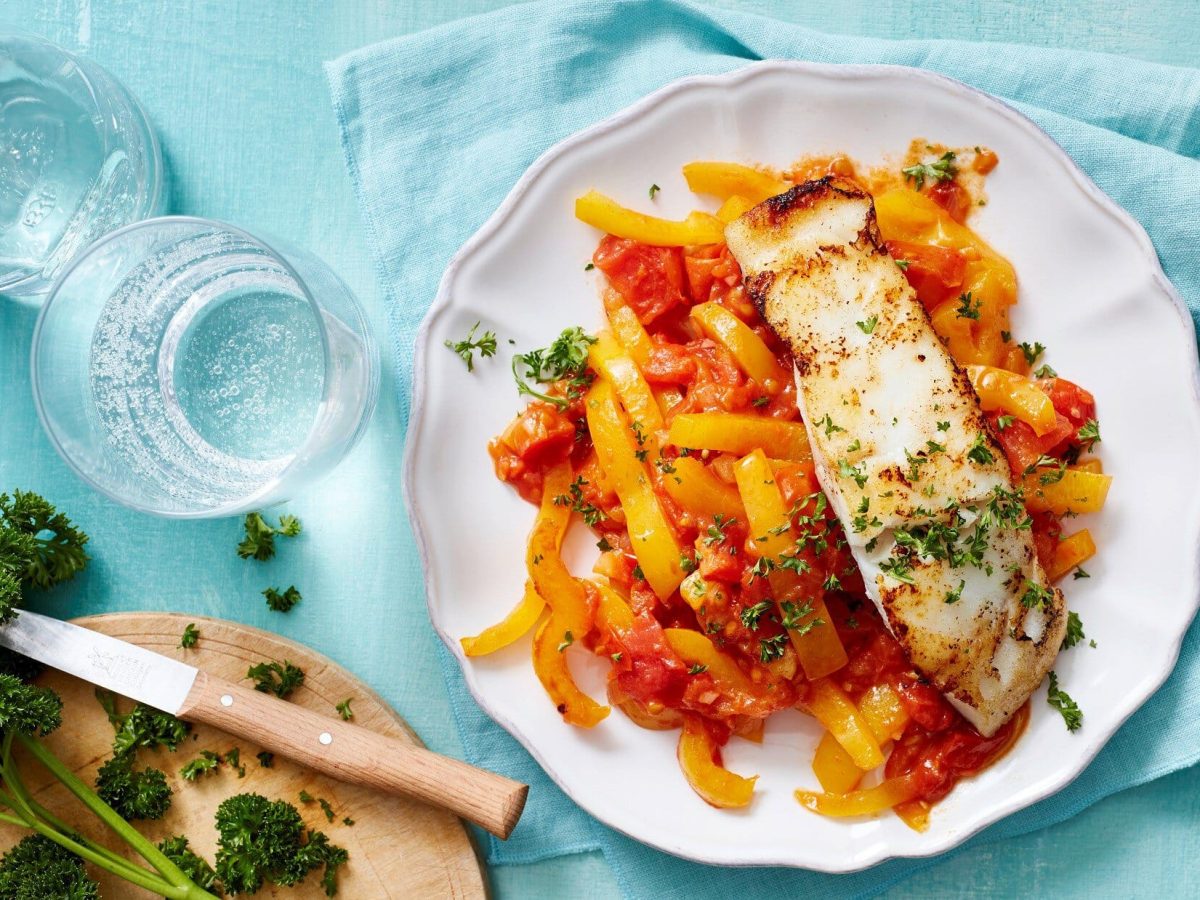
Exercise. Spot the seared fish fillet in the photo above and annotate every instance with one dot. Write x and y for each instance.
(903, 451)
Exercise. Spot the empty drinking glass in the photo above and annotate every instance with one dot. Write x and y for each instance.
(77, 160)
(189, 369)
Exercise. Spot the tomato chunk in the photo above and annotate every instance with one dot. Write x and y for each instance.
(651, 279)
(936, 273)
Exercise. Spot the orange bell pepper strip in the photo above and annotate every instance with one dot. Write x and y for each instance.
(695, 648)
(914, 814)
(837, 712)
(1090, 465)
(694, 487)
(884, 795)
(714, 783)
(606, 214)
(654, 543)
(956, 332)
(740, 433)
(753, 356)
(608, 358)
(551, 579)
(550, 665)
(820, 650)
(613, 613)
(1071, 552)
(1016, 395)
(726, 179)
(1077, 491)
(523, 617)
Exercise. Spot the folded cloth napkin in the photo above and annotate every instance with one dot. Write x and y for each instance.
(437, 127)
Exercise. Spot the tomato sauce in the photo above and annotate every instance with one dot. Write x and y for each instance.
(738, 612)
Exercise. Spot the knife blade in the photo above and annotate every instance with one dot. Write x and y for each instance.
(340, 749)
(127, 669)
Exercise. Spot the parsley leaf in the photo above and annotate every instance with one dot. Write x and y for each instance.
(1088, 434)
(868, 326)
(1032, 351)
(955, 595)
(980, 452)
(190, 635)
(592, 515)
(772, 648)
(1061, 700)
(942, 169)
(967, 310)
(565, 359)
(697, 669)
(1003, 422)
(486, 345)
(281, 602)
(1074, 631)
(1044, 371)
(751, 614)
(654, 189)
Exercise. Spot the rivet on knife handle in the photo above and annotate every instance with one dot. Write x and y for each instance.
(353, 754)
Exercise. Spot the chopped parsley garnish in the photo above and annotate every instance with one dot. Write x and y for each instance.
(698, 669)
(589, 267)
(772, 648)
(868, 326)
(828, 424)
(980, 452)
(565, 359)
(941, 169)
(716, 531)
(903, 264)
(751, 614)
(1003, 422)
(1074, 631)
(955, 595)
(575, 500)
(686, 563)
(831, 583)
(855, 446)
(898, 567)
(861, 522)
(567, 641)
(1044, 371)
(794, 564)
(665, 465)
(1061, 700)
(761, 568)
(1036, 596)
(1057, 469)
(761, 401)
(281, 601)
(848, 471)
(1088, 434)
(943, 426)
(638, 573)
(935, 447)
(967, 309)
(603, 545)
(1080, 573)
(1032, 351)
(654, 189)
(617, 657)
(276, 678)
(793, 613)
(344, 710)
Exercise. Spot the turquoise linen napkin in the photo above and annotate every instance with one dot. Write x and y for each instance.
(438, 126)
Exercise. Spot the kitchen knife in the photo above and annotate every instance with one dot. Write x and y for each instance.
(344, 751)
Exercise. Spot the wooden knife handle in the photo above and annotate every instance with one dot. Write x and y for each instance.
(350, 753)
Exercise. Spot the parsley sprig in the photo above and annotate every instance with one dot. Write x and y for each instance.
(564, 360)
(486, 345)
(941, 169)
(1061, 700)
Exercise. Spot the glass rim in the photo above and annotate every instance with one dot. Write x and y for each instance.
(35, 353)
(154, 185)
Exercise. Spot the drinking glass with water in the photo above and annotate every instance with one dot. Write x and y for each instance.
(189, 369)
(77, 159)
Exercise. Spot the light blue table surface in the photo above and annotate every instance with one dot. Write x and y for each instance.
(236, 92)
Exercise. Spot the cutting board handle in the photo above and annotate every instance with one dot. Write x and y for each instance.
(353, 754)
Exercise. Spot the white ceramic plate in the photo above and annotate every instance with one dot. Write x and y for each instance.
(1091, 290)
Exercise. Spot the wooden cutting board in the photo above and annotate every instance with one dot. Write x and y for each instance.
(397, 848)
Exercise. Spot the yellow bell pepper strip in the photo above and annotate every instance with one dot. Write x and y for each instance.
(613, 613)
(752, 355)
(1077, 491)
(1089, 465)
(752, 730)
(884, 795)
(734, 208)
(523, 617)
(820, 649)
(740, 433)
(695, 649)
(695, 488)
(654, 543)
(884, 714)
(715, 784)
(551, 579)
(837, 712)
(610, 217)
(1014, 394)
(630, 334)
(956, 332)
(726, 179)
(651, 716)
(1071, 552)
(550, 665)
(608, 358)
